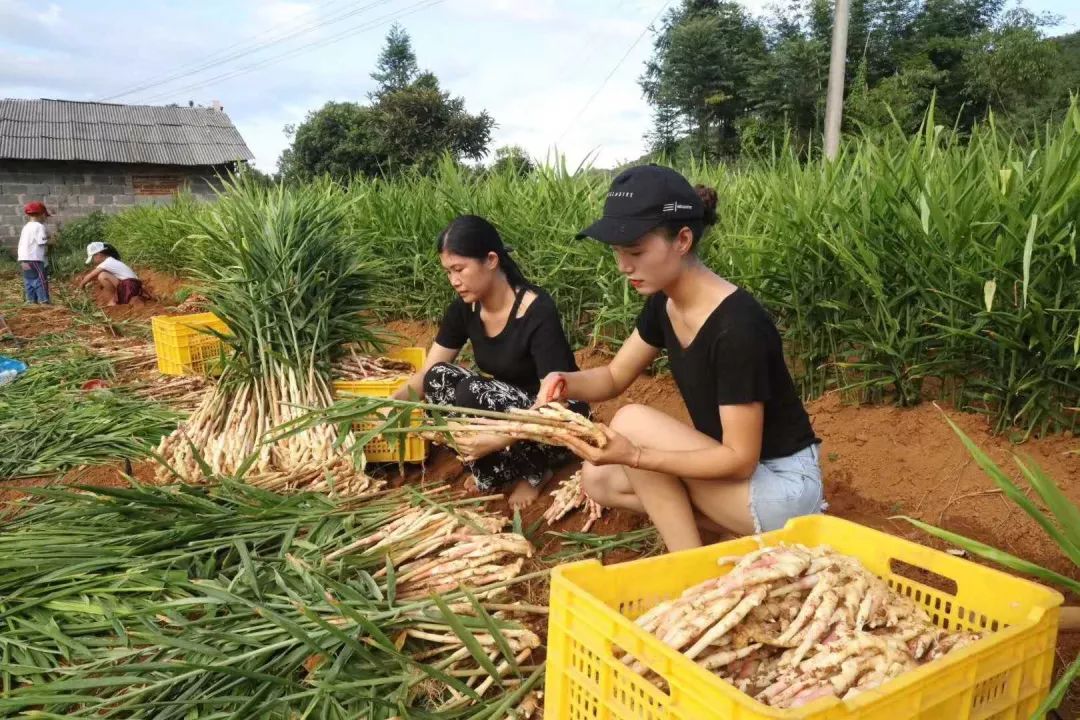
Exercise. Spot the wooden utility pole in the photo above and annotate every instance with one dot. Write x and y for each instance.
(834, 101)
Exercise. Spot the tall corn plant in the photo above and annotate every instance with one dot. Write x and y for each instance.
(1060, 521)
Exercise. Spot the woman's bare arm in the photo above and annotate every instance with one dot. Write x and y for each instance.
(601, 383)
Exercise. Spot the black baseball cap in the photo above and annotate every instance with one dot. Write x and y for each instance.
(640, 199)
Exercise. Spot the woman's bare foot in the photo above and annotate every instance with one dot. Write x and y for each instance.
(522, 496)
(470, 485)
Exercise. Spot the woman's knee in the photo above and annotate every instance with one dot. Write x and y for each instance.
(465, 395)
(437, 377)
(598, 483)
(632, 418)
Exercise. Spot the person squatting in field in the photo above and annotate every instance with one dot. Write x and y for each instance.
(751, 460)
(517, 338)
(111, 274)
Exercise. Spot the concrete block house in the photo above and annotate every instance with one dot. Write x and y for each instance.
(78, 157)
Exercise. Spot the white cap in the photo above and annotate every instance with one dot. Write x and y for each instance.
(93, 249)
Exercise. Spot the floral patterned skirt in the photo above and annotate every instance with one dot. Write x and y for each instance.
(447, 384)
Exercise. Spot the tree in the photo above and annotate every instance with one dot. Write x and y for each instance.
(339, 139)
(667, 127)
(701, 63)
(716, 72)
(902, 98)
(1012, 69)
(420, 123)
(513, 159)
(787, 84)
(396, 68)
(410, 124)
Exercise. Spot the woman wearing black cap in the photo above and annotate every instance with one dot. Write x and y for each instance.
(517, 339)
(751, 460)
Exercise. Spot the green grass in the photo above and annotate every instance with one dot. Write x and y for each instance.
(157, 236)
(913, 258)
(49, 425)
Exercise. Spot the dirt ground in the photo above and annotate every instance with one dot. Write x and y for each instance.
(29, 321)
(878, 461)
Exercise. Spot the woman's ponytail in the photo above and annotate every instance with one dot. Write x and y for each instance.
(510, 268)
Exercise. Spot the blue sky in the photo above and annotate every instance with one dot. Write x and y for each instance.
(540, 67)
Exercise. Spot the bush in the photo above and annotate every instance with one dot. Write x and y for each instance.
(68, 256)
(157, 235)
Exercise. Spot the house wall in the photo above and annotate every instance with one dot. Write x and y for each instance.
(74, 189)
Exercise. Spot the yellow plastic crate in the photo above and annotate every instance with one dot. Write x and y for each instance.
(1005, 675)
(183, 346)
(381, 449)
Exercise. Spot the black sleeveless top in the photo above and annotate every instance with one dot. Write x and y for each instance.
(527, 349)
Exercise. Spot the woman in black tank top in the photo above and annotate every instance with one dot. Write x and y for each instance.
(750, 461)
(517, 339)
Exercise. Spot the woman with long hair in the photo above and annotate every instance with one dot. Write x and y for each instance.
(517, 338)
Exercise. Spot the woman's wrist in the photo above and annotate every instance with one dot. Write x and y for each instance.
(643, 459)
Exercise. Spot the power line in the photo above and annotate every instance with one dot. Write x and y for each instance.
(614, 70)
(247, 48)
(245, 42)
(424, 4)
(301, 49)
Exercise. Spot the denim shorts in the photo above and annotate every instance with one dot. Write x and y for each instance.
(786, 487)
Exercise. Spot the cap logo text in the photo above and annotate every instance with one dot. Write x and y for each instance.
(621, 193)
(676, 207)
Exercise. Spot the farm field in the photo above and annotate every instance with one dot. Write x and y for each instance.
(879, 461)
(174, 538)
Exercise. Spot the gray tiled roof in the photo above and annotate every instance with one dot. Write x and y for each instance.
(105, 132)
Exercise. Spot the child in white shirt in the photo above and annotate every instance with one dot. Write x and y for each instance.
(33, 243)
(112, 274)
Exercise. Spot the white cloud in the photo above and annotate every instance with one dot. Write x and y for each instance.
(50, 16)
(284, 13)
(513, 10)
(532, 64)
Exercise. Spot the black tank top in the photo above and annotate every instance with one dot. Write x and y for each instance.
(523, 352)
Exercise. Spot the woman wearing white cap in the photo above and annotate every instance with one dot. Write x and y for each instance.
(111, 274)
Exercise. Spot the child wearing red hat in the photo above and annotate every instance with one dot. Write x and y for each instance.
(33, 243)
